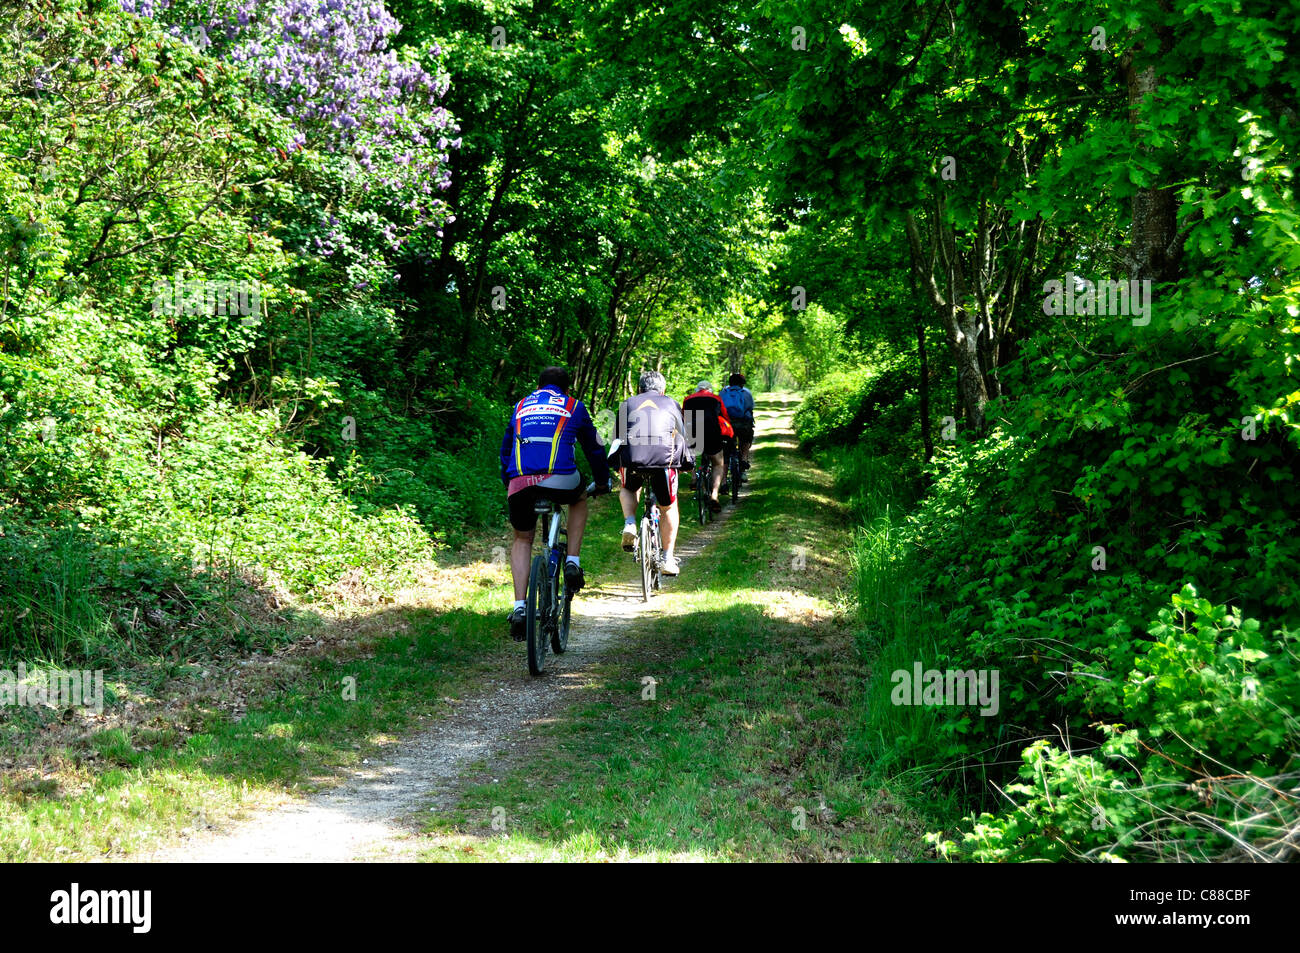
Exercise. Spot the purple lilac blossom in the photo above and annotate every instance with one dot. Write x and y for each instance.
(328, 64)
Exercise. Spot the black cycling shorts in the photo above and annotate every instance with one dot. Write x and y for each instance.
(713, 444)
(523, 516)
(663, 482)
(744, 430)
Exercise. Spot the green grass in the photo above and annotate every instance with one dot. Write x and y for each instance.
(746, 751)
(897, 628)
(50, 612)
(127, 788)
(894, 617)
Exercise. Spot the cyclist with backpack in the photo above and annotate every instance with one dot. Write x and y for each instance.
(652, 448)
(708, 428)
(538, 460)
(740, 408)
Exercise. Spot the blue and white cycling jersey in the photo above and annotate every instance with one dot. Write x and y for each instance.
(542, 433)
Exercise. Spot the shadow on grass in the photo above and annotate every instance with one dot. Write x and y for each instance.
(747, 746)
(754, 743)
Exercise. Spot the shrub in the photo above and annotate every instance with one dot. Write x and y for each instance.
(1206, 771)
(859, 405)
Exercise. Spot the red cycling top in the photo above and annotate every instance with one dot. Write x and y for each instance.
(709, 399)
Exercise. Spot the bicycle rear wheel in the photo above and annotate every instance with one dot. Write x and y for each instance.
(563, 602)
(735, 476)
(539, 595)
(701, 503)
(647, 554)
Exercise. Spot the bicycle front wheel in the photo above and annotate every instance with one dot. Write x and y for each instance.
(647, 554)
(563, 602)
(655, 543)
(539, 597)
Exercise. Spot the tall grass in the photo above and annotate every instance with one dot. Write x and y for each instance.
(878, 502)
(896, 622)
(48, 609)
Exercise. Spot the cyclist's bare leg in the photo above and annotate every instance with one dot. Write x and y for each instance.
(628, 500)
(576, 524)
(521, 554)
(744, 450)
(668, 522)
(716, 467)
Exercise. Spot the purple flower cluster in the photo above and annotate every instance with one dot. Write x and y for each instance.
(328, 65)
(144, 8)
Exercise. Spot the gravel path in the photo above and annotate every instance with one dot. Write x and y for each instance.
(367, 816)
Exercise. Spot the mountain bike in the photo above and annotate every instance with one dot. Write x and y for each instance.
(647, 551)
(549, 599)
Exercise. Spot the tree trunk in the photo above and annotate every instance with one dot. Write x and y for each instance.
(923, 385)
(1154, 252)
(962, 326)
(927, 440)
(963, 335)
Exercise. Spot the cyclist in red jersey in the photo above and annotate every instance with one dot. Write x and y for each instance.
(708, 427)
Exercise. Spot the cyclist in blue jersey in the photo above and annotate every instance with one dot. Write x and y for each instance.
(538, 460)
(740, 408)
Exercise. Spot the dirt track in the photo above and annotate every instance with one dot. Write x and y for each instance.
(369, 816)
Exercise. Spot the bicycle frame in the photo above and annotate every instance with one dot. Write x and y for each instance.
(731, 470)
(553, 534)
(652, 514)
